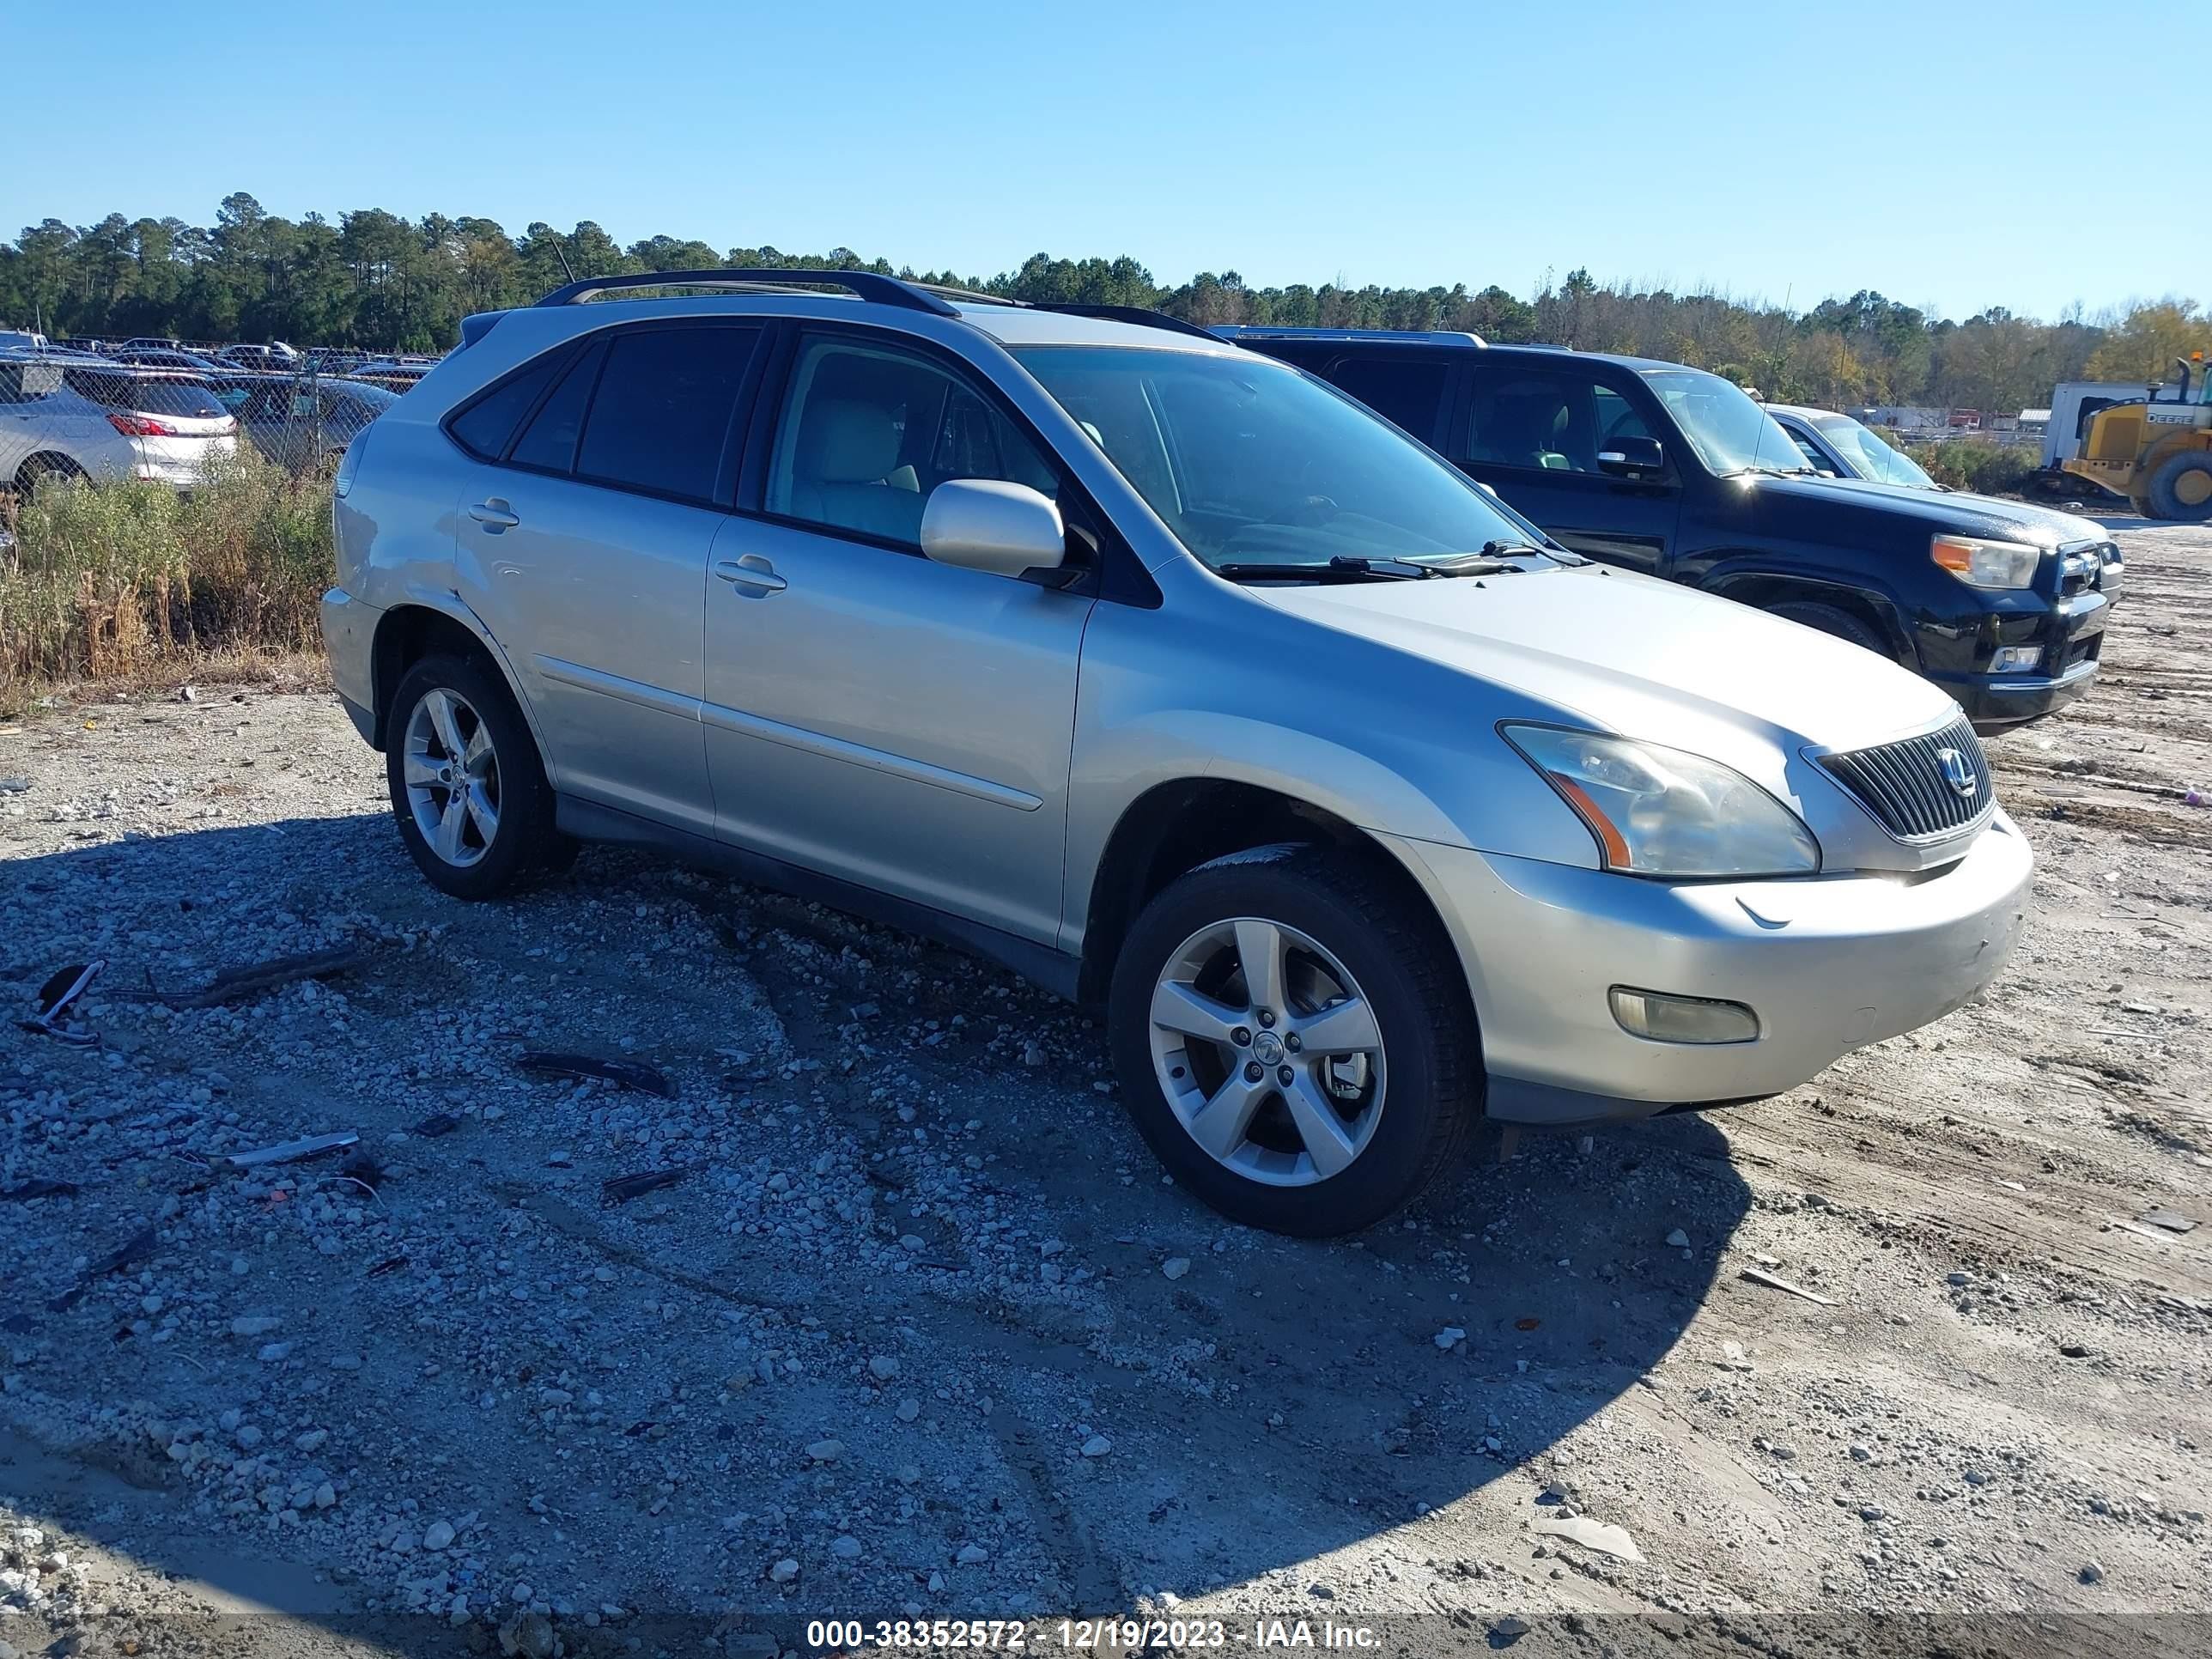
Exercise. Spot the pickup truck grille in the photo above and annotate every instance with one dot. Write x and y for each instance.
(1914, 787)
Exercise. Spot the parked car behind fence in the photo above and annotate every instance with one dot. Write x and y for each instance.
(65, 416)
(301, 422)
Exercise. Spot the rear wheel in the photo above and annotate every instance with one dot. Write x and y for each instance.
(468, 789)
(1294, 1041)
(1840, 624)
(2181, 487)
(41, 469)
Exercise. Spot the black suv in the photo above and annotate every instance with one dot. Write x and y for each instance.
(1676, 472)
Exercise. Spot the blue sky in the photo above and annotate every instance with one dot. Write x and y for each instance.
(1948, 154)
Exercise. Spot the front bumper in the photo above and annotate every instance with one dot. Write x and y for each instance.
(349, 639)
(2070, 634)
(1829, 964)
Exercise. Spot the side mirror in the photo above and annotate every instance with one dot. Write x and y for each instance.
(1633, 457)
(983, 524)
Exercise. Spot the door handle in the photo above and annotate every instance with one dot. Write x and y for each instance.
(493, 515)
(750, 573)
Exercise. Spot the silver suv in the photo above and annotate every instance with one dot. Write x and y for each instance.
(1169, 677)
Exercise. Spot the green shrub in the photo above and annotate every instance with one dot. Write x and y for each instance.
(1985, 468)
(125, 578)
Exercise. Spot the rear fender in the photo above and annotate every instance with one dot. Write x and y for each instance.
(450, 605)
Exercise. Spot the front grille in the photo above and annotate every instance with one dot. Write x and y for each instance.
(1905, 786)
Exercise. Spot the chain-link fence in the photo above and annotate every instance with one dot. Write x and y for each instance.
(165, 411)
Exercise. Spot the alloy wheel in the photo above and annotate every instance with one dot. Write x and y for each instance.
(450, 767)
(1268, 1051)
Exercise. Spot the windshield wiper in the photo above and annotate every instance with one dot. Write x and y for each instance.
(1342, 568)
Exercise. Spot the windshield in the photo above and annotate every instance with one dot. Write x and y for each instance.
(1730, 433)
(1870, 455)
(1250, 462)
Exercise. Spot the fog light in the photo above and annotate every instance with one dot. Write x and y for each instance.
(2013, 658)
(1664, 1018)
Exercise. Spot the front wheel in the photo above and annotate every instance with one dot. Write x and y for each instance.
(468, 790)
(2181, 488)
(1837, 623)
(1294, 1039)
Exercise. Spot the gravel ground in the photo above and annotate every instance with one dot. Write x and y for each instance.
(919, 1330)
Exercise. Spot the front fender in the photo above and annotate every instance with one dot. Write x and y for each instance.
(1762, 581)
(1424, 762)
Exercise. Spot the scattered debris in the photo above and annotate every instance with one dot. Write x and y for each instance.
(236, 984)
(623, 1074)
(138, 1246)
(40, 1188)
(1449, 1338)
(1776, 1282)
(435, 1125)
(1599, 1535)
(1176, 1266)
(50, 1016)
(2172, 1220)
(291, 1151)
(622, 1188)
(361, 1168)
(1678, 1240)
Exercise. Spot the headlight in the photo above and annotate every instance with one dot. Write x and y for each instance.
(1660, 812)
(1986, 563)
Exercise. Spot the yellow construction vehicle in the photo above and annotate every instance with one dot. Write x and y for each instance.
(2156, 452)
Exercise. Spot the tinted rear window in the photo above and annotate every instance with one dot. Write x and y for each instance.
(663, 408)
(1402, 390)
(151, 395)
(484, 428)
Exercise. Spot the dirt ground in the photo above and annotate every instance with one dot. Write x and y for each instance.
(918, 1331)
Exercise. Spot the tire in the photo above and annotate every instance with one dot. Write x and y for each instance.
(504, 833)
(42, 469)
(1401, 1110)
(1841, 624)
(2181, 488)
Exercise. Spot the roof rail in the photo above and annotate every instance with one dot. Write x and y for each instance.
(1423, 335)
(952, 291)
(863, 284)
(1142, 316)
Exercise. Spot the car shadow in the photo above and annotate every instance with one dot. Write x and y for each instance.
(1126, 1394)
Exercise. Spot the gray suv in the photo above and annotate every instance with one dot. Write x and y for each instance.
(1171, 677)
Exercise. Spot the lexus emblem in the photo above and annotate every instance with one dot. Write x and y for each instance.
(1957, 772)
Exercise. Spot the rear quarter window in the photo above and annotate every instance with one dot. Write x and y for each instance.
(485, 427)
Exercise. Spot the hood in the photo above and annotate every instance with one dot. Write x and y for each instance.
(1590, 645)
(1939, 509)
